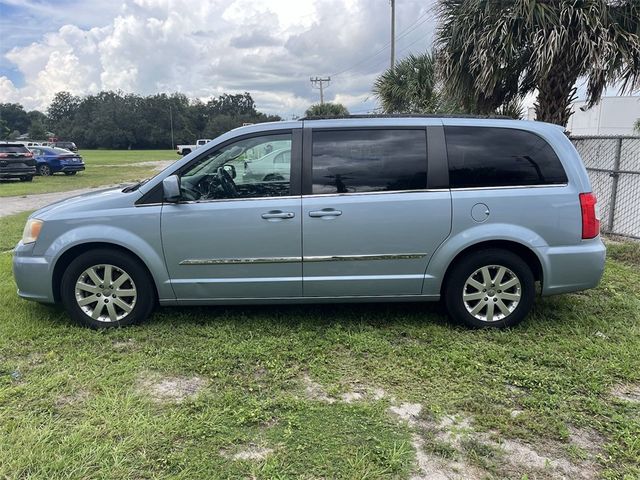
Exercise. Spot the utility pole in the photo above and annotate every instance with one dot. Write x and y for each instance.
(393, 33)
(318, 82)
(171, 122)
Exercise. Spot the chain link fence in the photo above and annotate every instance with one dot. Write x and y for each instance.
(613, 164)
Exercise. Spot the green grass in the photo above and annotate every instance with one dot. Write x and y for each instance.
(103, 167)
(72, 404)
(106, 157)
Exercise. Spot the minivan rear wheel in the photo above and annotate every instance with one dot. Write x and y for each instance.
(490, 288)
(103, 288)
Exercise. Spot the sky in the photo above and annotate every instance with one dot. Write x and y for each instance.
(204, 48)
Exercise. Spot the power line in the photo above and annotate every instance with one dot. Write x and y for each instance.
(429, 14)
(318, 82)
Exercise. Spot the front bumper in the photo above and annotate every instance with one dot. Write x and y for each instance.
(33, 274)
(572, 268)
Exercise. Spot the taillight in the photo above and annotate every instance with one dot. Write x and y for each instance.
(28, 154)
(4, 155)
(590, 220)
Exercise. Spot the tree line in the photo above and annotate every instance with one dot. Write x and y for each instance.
(116, 120)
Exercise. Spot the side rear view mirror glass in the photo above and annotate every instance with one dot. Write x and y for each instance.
(171, 189)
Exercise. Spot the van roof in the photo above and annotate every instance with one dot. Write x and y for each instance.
(401, 115)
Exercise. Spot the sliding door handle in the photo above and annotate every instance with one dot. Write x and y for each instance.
(325, 212)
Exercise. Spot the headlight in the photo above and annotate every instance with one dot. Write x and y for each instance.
(31, 230)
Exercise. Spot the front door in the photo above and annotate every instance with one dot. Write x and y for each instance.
(234, 235)
(370, 224)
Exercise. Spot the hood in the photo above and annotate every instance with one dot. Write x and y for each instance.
(97, 200)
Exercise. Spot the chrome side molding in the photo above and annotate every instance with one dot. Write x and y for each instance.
(312, 258)
(351, 258)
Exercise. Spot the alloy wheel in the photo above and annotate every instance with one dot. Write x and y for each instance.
(106, 293)
(492, 293)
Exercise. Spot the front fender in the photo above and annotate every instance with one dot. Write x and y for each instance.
(150, 254)
(450, 248)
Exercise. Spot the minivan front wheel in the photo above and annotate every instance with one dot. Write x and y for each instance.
(104, 288)
(490, 288)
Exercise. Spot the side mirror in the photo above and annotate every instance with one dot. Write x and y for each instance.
(171, 189)
(231, 170)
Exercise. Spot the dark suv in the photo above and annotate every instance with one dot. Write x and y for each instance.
(66, 145)
(16, 161)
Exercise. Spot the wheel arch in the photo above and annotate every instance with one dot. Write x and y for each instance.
(67, 257)
(523, 251)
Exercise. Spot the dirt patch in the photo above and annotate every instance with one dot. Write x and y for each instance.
(315, 391)
(433, 467)
(587, 439)
(360, 393)
(629, 392)
(72, 399)
(450, 448)
(158, 165)
(357, 392)
(408, 412)
(173, 389)
(250, 452)
(124, 345)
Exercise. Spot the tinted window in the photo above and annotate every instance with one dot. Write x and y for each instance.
(496, 157)
(349, 161)
(13, 149)
(242, 169)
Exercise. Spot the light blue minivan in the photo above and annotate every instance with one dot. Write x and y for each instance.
(371, 209)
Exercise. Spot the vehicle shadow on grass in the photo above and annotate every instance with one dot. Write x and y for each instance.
(418, 313)
(546, 311)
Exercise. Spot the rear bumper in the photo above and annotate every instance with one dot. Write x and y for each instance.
(572, 268)
(72, 168)
(9, 172)
(32, 275)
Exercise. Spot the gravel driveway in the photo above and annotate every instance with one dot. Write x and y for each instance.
(25, 203)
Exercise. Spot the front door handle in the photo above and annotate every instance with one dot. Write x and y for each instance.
(277, 214)
(325, 212)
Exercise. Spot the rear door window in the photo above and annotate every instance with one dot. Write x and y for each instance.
(374, 160)
(500, 157)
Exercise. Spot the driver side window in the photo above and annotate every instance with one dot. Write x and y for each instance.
(243, 169)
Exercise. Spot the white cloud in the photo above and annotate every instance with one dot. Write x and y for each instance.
(205, 48)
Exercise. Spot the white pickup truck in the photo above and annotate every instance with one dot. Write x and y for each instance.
(187, 149)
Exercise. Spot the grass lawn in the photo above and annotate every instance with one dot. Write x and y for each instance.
(334, 391)
(103, 167)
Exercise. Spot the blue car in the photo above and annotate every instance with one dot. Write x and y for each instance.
(51, 160)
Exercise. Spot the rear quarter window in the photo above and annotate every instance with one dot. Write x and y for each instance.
(500, 157)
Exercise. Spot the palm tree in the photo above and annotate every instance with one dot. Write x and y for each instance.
(409, 87)
(500, 49)
(327, 110)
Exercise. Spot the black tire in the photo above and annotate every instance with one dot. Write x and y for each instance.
(186, 152)
(141, 282)
(44, 170)
(28, 178)
(461, 272)
(70, 173)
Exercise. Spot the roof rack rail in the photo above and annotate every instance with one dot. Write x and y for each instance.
(403, 115)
